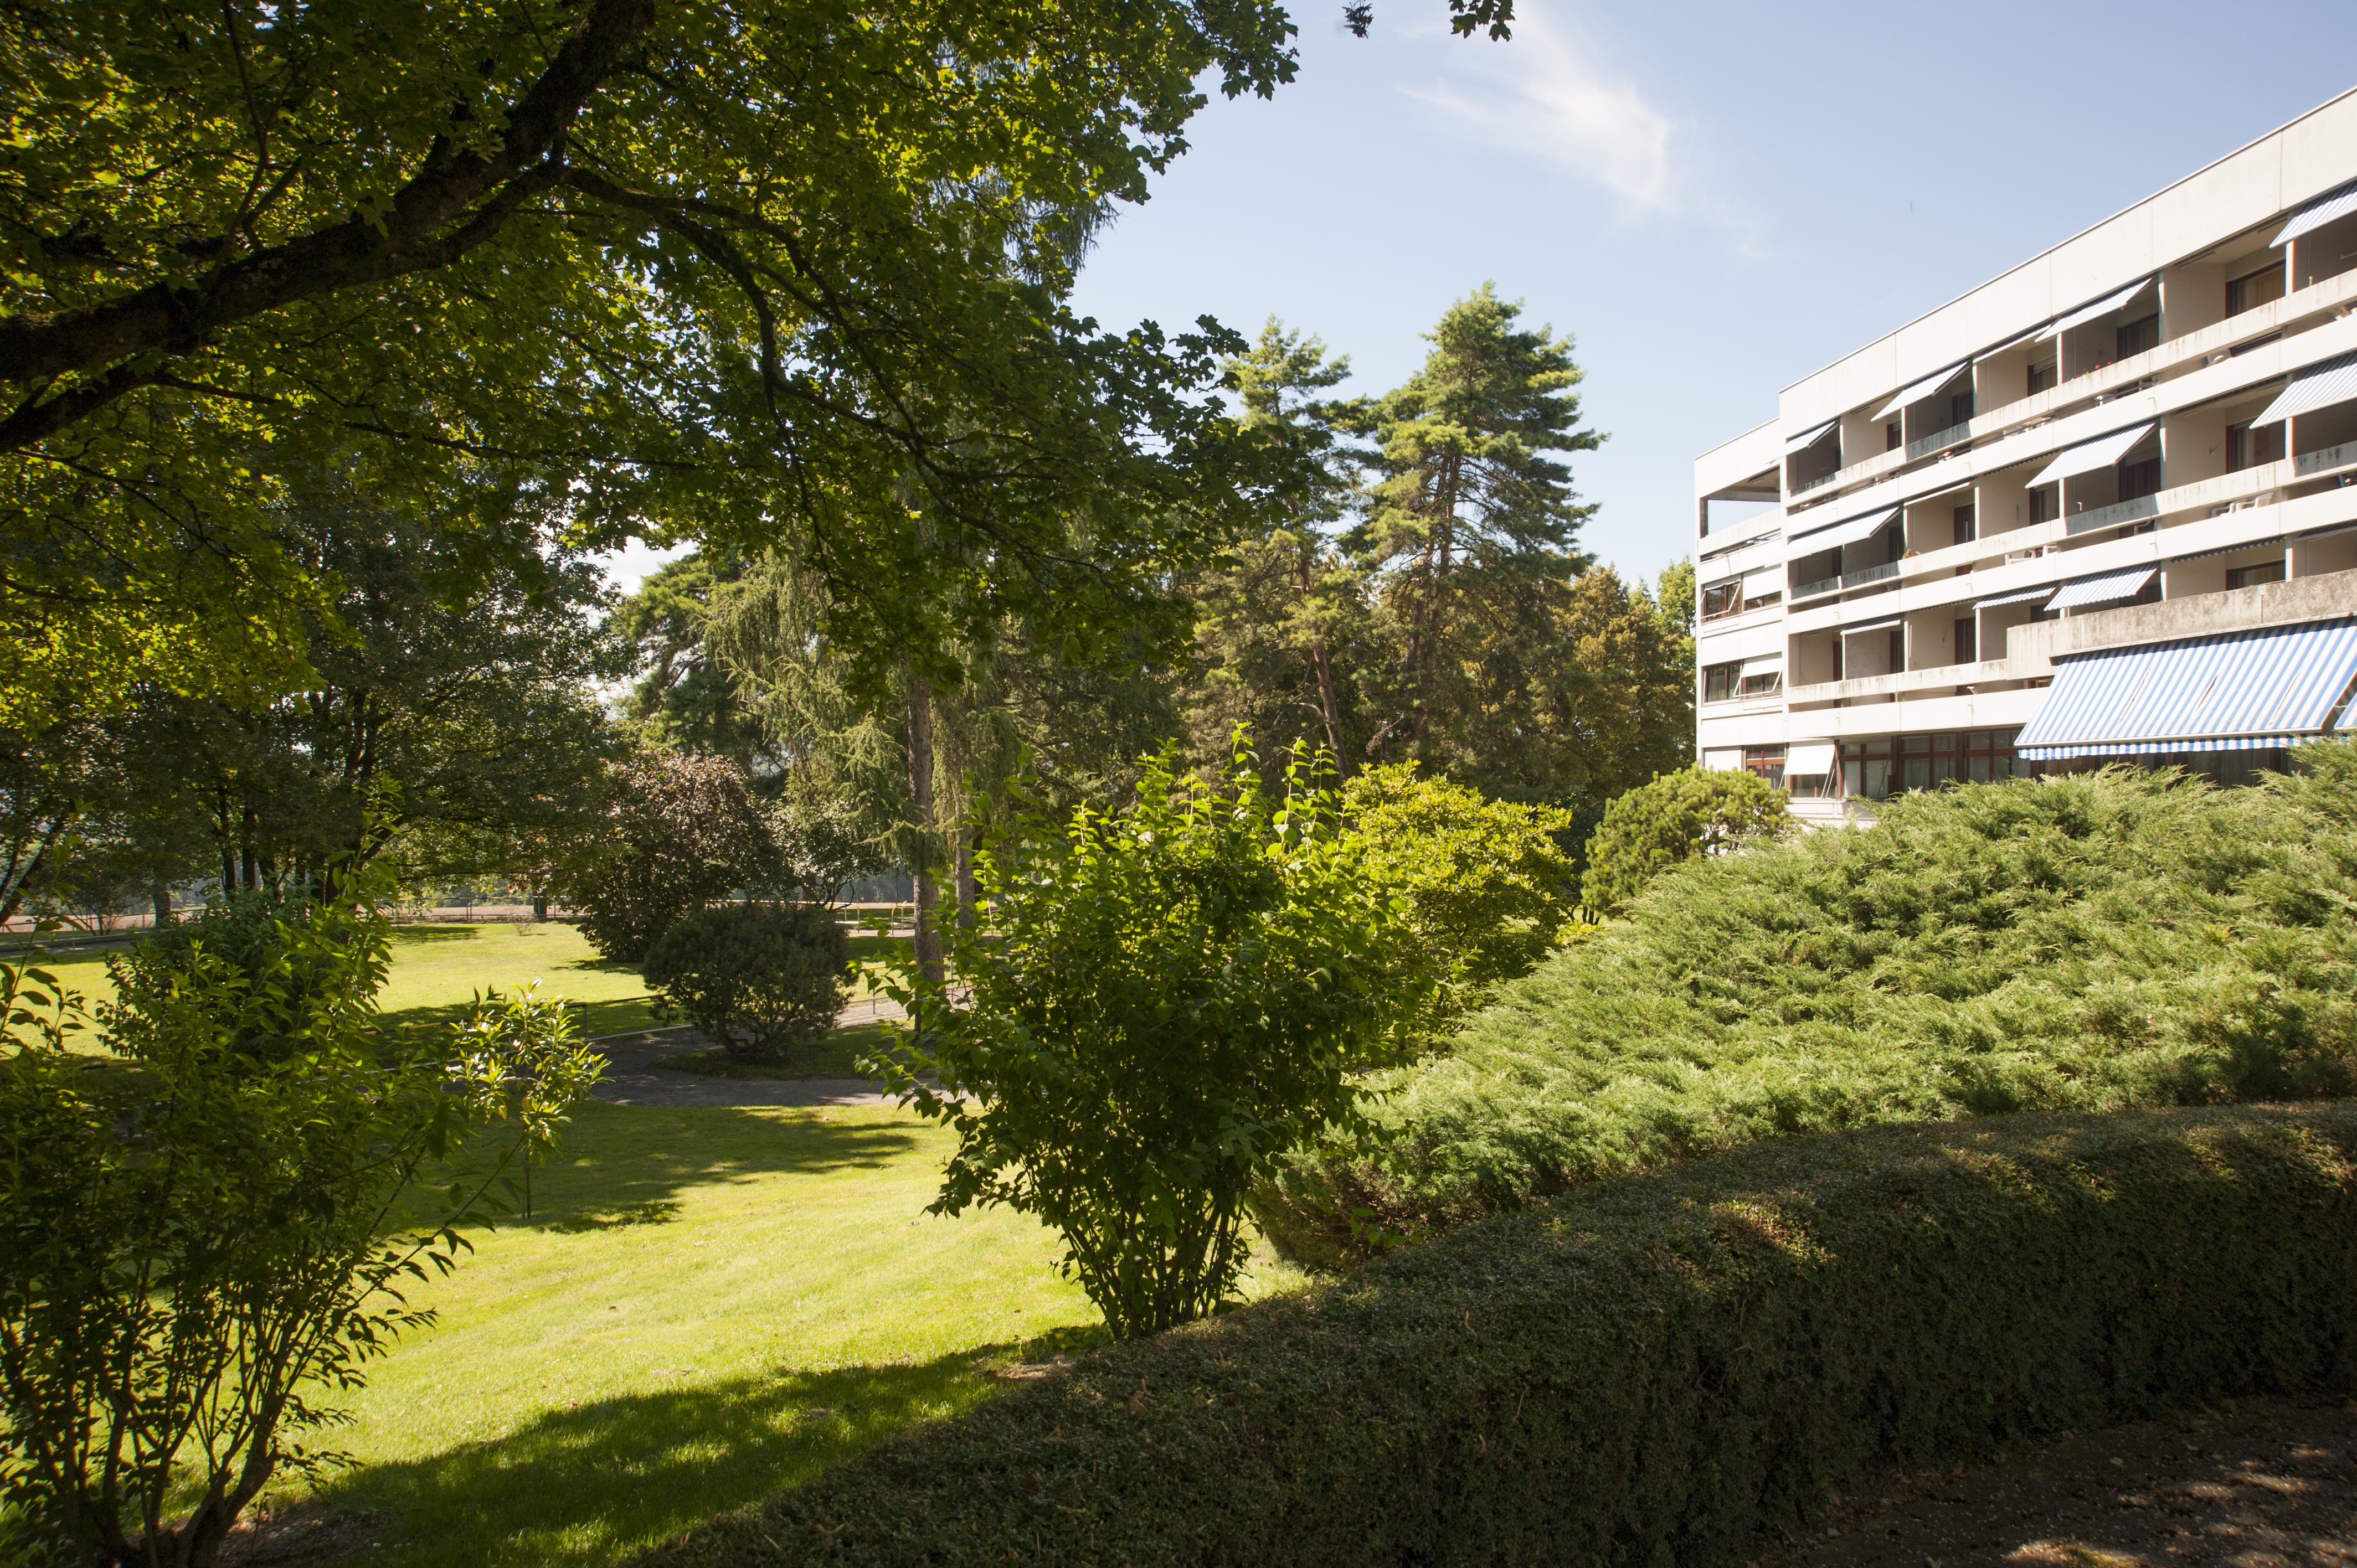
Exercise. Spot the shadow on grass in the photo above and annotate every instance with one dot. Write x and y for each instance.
(584, 1483)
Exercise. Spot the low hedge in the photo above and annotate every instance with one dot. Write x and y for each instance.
(1653, 1369)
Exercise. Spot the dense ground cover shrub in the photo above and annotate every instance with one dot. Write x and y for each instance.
(2081, 944)
(1651, 1371)
(758, 979)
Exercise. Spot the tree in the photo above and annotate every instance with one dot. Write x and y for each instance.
(753, 273)
(199, 1243)
(1469, 525)
(758, 979)
(1157, 1005)
(670, 835)
(1676, 818)
(1488, 889)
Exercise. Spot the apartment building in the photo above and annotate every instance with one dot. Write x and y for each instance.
(2102, 507)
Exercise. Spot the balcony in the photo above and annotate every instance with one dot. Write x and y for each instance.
(2326, 457)
(2112, 516)
(1804, 485)
(1866, 575)
(1811, 590)
(1954, 436)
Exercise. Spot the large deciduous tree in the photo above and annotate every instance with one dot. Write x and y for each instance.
(755, 271)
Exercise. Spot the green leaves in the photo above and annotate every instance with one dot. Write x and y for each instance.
(1149, 1010)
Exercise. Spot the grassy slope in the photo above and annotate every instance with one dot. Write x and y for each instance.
(707, 1305)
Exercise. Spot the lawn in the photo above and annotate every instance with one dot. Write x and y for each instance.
(707, 1305)
(437, 968)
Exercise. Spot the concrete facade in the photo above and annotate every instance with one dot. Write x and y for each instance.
(2091, 412)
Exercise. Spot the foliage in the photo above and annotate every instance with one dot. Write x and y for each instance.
(1652, 1371)
(1678, 816)
(194, 1246)
(1488, 888)
(2087, 942)
(671, 833)
(763, 274)
(759, 979)
(1151, 1008)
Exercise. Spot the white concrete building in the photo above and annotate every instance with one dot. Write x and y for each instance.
(2104, 506)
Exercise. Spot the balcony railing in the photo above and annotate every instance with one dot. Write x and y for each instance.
(2328, 457)
(1954, 436)
(1866, 575)
(1802, 487)
(2114, 515)
(1811, 590)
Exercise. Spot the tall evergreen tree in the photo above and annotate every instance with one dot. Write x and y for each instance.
(1471, 524)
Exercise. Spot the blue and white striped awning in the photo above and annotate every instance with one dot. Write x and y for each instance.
(2319, 386)
(2103, 587)
(2018, 597)
(2317, 213)
(2235, 692)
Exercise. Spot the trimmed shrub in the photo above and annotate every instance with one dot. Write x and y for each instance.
(1677, 817)
(672, 834)
(1651, 1371)
(2069, 945)
(757, 979)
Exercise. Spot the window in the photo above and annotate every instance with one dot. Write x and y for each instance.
(1965, 534)
(2139, 480)
(2253, 290)
(2241, 349)
(1766, 686)
(2042, 377)
(2252, 577)
(2136, 336)
(1960, 410)
(1893, 436)
(1719, 683)
(1898, 649)
(1967, 631)
(1759, 601)
(1722, 599)
(1880, 769)
(2046, 503)
(2248, 447)
(1768, 762)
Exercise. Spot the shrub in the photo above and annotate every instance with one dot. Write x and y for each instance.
(674, 834)
(1676, 818)
(1488, 889)
(1151, 1008)
(195, 1234)
(2082, 943)
(1651, 1370)
(758, 979)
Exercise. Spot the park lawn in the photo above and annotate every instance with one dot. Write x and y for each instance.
(706, 1304)
(835, 1054)
(437, 969)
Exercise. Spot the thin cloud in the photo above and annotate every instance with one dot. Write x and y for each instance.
(1536, 96)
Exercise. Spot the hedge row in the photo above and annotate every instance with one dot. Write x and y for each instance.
(1651, 1370)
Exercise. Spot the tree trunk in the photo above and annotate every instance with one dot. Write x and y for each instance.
(968, 891)
(920, 807)
(1327, 708)
(160, 894)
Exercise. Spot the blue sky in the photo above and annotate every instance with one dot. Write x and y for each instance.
(1714, 199)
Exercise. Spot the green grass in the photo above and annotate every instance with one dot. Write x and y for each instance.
(706, 1306)
(835, 1055)
(436, 970)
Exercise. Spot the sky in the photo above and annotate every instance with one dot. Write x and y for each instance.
(1714, 200)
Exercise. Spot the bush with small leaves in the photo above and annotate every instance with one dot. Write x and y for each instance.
(758, 979)
(1678, 817)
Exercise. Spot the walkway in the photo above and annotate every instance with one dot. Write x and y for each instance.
(633, 1077)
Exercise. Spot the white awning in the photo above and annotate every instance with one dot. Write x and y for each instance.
(2319, 386)
(2103, 587)
(1884, 625)
(1808, 438)
(1764, 664)
(1810, 758)
(2322, 211)
(1726, 761)
(1767, 580)
(2089, 456)
(2274, 544)
(2102, 307)
(2030, 337)
(1847, 532)
(1924, 389)
(2018, 597)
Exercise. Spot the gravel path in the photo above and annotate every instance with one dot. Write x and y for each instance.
(633, 1078)
(2266, 1484)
